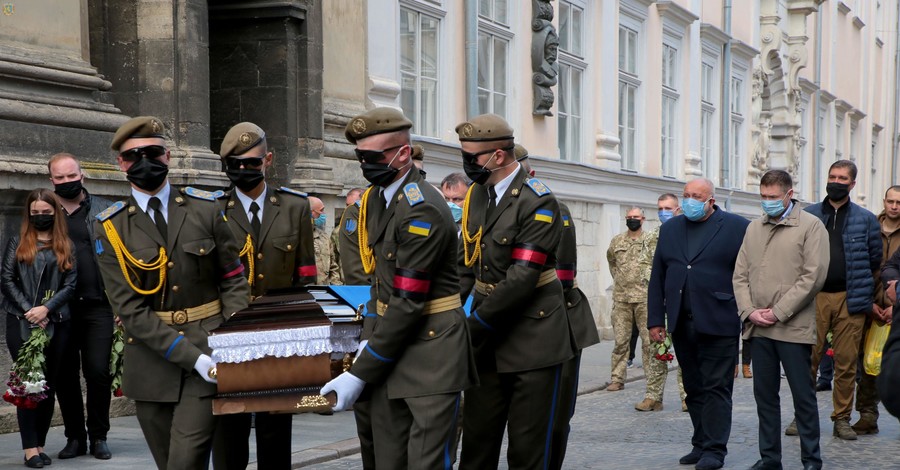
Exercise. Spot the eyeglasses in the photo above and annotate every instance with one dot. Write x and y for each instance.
(148, 151)
(232, 163)
(471, 157)
(373, 156)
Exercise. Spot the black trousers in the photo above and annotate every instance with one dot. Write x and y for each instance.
(273, 441)
(34, 424)
(567, 397)
(769, 356)
(88, 353)
(707, 365)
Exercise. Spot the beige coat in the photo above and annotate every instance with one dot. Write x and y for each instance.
(782, 265)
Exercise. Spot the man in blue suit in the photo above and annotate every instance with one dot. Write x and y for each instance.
(690, 295)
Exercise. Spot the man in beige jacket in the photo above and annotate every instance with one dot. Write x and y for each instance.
(779, 270)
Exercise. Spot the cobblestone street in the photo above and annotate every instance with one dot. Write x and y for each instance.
(607, 433)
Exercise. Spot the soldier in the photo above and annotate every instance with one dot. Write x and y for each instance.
(418, 358)
(172, 273)
(581, 323)
(328, 271)
(277, 253)
(348, 242)
(511, 225)
(418, 158)
(352, 196)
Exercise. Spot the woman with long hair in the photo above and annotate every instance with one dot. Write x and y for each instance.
(37, 278)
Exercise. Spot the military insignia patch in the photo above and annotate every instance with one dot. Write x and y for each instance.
(292, 191)
(418, 227)
(468, 130)
(544, 215)
(245, 138)
(156, 126)
(350, 226)
(565, 221)
(199, 194)
(413, 194)
(9, 9)
(110, 211)
(539, 188)
(358, 125)
(218, 194)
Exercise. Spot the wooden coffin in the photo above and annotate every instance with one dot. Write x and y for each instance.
(276, 354)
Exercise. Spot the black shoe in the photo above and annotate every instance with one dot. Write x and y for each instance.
(100, 450)
(691, 458)
(708, 462)
(34, 462)
(810, 466)
(45, 458)
(73, 449)
(823, 386)
(760, 465)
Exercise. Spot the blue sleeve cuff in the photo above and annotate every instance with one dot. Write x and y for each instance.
(489, 327)
(377, 356)
(172, 346)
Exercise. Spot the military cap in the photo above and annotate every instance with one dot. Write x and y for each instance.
(484, 128)
(242, 137)
(140, 127)
(418, 152)
(521, 152)
(376, 121)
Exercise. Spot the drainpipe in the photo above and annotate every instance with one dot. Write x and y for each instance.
(471, 12)
(817, 165)
(895, 141)
(726, 90)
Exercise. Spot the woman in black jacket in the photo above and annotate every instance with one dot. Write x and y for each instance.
(38, 280)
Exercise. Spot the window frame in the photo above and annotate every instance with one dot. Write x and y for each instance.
(497, 32)
(428, 9)
(671, 161)
(630, 155)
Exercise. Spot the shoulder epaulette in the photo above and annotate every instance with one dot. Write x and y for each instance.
(219, 194)
(110, 211)
(284, 189)
(199, 193)
(537, 186)
(358, 202)
(413, 194)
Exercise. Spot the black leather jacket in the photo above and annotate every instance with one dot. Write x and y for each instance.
(20, 283)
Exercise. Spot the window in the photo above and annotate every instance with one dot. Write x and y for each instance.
(851, 155)
(571, 24)
(669, 65)
(731, 163)
(629, 82)
(628, 50)
(839, 139)
(494, 37)
(419, 34)
(571, 79)
(494, 10)
(668, 134)
(708, 99)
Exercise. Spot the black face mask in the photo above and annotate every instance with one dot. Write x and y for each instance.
(42, 222)
(837, 191)
(245, 179)
(68, 190)
(477, 173)
(148, 173)
(379, 174)
(633, 224)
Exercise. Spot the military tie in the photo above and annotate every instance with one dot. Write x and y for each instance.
(158, 218)
(493, 203)
(254, 220)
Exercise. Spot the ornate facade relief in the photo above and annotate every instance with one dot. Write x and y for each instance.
(544, 49)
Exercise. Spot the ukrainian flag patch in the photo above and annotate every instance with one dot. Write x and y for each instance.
(419, 228)
(544, 215)
(565, 221)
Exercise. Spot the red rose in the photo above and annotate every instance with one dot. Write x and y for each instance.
(830, 352)
(118, 392)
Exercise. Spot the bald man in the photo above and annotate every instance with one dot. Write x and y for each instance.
(327, 269)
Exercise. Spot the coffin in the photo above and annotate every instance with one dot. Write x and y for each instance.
(276, 354)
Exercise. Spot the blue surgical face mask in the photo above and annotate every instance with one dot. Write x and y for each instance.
(456, 211)
(693, 209)
(773, 208)
(320, 221)
(664, 216)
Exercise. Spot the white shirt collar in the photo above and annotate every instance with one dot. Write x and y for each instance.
(143, 199)
(246, 201)
(501, 187)
(392, 188)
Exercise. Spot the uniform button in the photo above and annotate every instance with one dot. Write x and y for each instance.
(485, 268)
(390, 255)
(689, 266)
(130, 340)
(260, 276)
(175, 288)
(568, 304)
(431, 334)
(170, 265)
(503, 240)
(541, 314)
(259, 256)
(289, 247)
(181, 333)
(202, 250)
(140, 261)
(482, 245)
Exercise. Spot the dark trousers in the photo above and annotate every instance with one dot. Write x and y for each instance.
(745, 352)
(769, 356)
(88, 353)
(522, 403)
(567, 396)
(632, 343)
(231, 448)
(362, 411)
(866, 389)
(34, 424)
(707, 365)
(826, 367)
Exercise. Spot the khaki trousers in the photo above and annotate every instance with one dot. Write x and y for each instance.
(831, 314)
(625, 315)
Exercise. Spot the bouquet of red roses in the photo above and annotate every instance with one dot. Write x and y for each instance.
(663, 349)
(117, 359)
(27, 385)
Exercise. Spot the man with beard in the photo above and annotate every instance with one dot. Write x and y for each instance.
(171, 270)
(274, 225)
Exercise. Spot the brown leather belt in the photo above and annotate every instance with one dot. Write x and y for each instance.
(546, 277)
(191, 314)
(431, 307)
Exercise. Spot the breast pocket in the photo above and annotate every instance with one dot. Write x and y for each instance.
(199, 261)
(286, 249)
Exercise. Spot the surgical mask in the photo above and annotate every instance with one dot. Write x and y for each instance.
(245, 179)
(456, 211)
(773, 208)
(320, 221)
(693, 209)
(148, 173)
(42, 222)
(837, 191)
(381, 174)
(633, 224)
(477, 173)
(664, 216)
(69, 189)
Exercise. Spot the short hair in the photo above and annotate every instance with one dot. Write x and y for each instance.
(845, 164)
(665, 196)
(357, 191)
(780, 178)
(456, 179)
(635, 208)
(62, 156)
(895, 187)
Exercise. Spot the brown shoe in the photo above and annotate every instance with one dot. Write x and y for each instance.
(615, 387)
(649, 405)
(843, 430)
(747, 373)
(867, 424)
(792, 429)
(684, 406)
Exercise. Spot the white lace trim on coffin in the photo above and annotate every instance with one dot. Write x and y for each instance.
(309, 341)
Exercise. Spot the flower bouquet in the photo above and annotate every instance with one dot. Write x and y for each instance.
(27, 384)
(830, 351)
(663, 349)
(116, 359)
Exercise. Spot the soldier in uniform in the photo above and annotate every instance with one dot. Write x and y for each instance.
(277, 252)
(171, 270)
(348, 243)
(328, 271)
(511, 228)
(352, 197)
(581, 323)
(417, 359)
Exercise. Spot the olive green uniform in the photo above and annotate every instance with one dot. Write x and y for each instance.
(348, 240)
(174, 404)
(418, 357)
(519, 326)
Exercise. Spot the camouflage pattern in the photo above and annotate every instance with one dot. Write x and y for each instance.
(624, 316)
(327, 269)
(657, 373)
(630, 261)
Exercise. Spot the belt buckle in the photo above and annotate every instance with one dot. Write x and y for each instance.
(488, 289)
(180, 317)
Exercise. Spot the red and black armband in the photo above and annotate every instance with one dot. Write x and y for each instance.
(232, 269)
(412, 284)
(529, 255)
(566, 274)
(307, 270)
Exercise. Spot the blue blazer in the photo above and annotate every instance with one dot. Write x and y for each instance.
(707, 275)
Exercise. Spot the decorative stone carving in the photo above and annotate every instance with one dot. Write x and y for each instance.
(544, 49)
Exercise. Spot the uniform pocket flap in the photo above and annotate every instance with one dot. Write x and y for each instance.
(201, 247)
(541, 311)
(723, 295)
(503, 237)
(389, 249)
(286, 244)
(438, 325)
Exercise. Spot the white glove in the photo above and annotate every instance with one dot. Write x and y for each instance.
(206, 368)
(362, 345)
(347, 387)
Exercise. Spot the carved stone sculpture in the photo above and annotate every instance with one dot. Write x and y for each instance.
(544, 49)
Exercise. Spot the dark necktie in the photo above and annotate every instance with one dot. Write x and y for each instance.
(254, 219)
(493, 203)
(158, 217)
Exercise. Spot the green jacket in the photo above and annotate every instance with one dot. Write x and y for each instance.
(581, 319)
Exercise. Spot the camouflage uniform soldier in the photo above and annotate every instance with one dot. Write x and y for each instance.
(327, 269)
